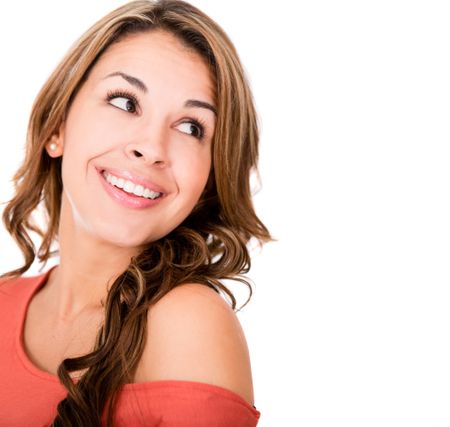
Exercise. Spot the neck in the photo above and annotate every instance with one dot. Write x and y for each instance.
(88, 267)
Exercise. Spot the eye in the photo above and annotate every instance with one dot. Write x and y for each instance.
(123, 100)
(193, 128)
(124, 104)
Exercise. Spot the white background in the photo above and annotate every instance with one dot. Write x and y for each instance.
(350, 320)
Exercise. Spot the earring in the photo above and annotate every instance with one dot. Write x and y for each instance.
(53, 146)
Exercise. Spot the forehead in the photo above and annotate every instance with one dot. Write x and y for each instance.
(157, 56)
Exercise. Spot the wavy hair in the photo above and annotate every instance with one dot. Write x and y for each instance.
(208, 247)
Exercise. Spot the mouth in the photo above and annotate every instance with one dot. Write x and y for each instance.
(128, 193)
(130, 188)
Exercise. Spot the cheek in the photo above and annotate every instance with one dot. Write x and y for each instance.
(88, 132)
(193, 172)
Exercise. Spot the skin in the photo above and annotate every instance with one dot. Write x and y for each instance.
(195, 335)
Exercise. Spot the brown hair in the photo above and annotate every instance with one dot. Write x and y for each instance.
(208, 247)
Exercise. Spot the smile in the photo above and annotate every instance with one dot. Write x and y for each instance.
(130, 187)
(125, 196)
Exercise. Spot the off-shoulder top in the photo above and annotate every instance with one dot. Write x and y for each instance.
(29, 396)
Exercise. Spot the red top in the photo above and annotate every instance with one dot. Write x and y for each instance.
(29, 396)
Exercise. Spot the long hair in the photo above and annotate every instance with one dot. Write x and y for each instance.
(208, 247)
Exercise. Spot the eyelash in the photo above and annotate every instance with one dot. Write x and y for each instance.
(129, 95)
(200, 126)
(122, 94)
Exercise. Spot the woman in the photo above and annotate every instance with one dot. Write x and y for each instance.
(140, 147)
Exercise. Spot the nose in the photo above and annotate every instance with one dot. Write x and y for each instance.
(149, 146)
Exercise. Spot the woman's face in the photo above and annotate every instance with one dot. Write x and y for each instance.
(145, 116)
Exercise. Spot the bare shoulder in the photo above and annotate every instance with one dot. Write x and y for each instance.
(194, 335)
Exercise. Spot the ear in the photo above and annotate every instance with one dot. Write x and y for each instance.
(55, 145)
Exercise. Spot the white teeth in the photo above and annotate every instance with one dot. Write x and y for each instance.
(130, 187)
(138, 190)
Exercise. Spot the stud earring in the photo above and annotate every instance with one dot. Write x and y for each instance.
(53, 146)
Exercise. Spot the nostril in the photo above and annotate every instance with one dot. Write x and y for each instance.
(137, 153)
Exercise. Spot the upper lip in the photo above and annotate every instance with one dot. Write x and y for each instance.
(133, 177)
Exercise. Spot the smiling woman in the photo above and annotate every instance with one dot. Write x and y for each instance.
(140, 147)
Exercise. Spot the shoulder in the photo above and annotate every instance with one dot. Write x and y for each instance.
(193, 334)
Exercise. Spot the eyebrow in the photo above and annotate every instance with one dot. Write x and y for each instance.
(140, 85)
(134, 81)
(200, 104)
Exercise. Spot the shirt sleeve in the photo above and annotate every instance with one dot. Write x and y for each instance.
(182, 404)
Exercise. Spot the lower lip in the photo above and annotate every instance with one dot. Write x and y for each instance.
(126, 199)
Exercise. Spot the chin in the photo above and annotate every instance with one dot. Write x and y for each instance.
(121, 237)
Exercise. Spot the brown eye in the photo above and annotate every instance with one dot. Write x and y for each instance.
(191, 128)
(123, 103)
